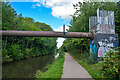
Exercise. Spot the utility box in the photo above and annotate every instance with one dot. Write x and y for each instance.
(105, 39)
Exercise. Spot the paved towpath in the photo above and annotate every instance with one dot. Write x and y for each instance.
(72, 69)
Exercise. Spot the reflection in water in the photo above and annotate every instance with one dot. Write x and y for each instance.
(26, 68)
(56, 56)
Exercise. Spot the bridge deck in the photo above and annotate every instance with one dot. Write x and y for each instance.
(72, 69)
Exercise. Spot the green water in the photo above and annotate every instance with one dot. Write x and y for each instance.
(26, 68)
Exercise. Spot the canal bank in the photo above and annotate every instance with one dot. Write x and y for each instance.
(54, 71)
(26, 68)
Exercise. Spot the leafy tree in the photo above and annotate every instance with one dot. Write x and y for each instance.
(80, 23)
(16, 48)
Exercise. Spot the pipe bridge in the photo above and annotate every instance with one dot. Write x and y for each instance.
(48, 34)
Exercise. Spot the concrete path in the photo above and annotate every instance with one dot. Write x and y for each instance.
(71, 69)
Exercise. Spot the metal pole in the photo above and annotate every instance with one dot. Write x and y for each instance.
(47, 34)
(64, 31)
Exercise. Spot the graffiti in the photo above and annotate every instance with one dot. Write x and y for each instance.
(93, 48)
(100, 53)
(105, 46)
(116, 44)
(90, 48)
(103, 43)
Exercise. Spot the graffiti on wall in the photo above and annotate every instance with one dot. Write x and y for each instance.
(93, 48)
(103, 43)
(106, 45)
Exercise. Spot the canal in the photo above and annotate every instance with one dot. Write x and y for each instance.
(26, 68)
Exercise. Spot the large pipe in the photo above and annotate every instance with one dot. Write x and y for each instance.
(47, 34)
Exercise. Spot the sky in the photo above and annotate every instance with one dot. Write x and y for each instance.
(52, 12)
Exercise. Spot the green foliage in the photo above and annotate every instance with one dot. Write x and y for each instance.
(80, 23)
(109, 68)
(111, 64)
(27, 53)
(16, 48)
(5, 56)
(117, 21)
(93, 59)
(15, 52)
(93, 69)
(80, 47)
(55, 71)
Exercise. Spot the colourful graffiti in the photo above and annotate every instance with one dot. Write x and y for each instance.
(100, 53)
(90, 48)
(93, 48)
(103, 43)
(106, 45)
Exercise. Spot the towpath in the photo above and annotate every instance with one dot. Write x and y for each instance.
(71, 69)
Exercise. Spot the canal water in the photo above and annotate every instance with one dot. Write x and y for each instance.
(26, 68)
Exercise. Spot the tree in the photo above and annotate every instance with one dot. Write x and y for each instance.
(16, 48)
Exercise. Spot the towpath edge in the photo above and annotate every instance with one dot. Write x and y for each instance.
(71, 69)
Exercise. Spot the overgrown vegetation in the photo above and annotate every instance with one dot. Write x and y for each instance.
(93, 69)
(17, 48)
(108, 68)
(54, 71)
(111, 64)
(80, 23)
(79, 48)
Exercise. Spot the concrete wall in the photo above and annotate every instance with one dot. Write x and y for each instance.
(103, 43)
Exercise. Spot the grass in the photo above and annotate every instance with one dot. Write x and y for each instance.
(93, 69)
(54, 71)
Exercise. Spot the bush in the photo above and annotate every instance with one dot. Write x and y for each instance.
(27, 53)
(111, 64)
(93, 58)
(5, 56)
(15, 52)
